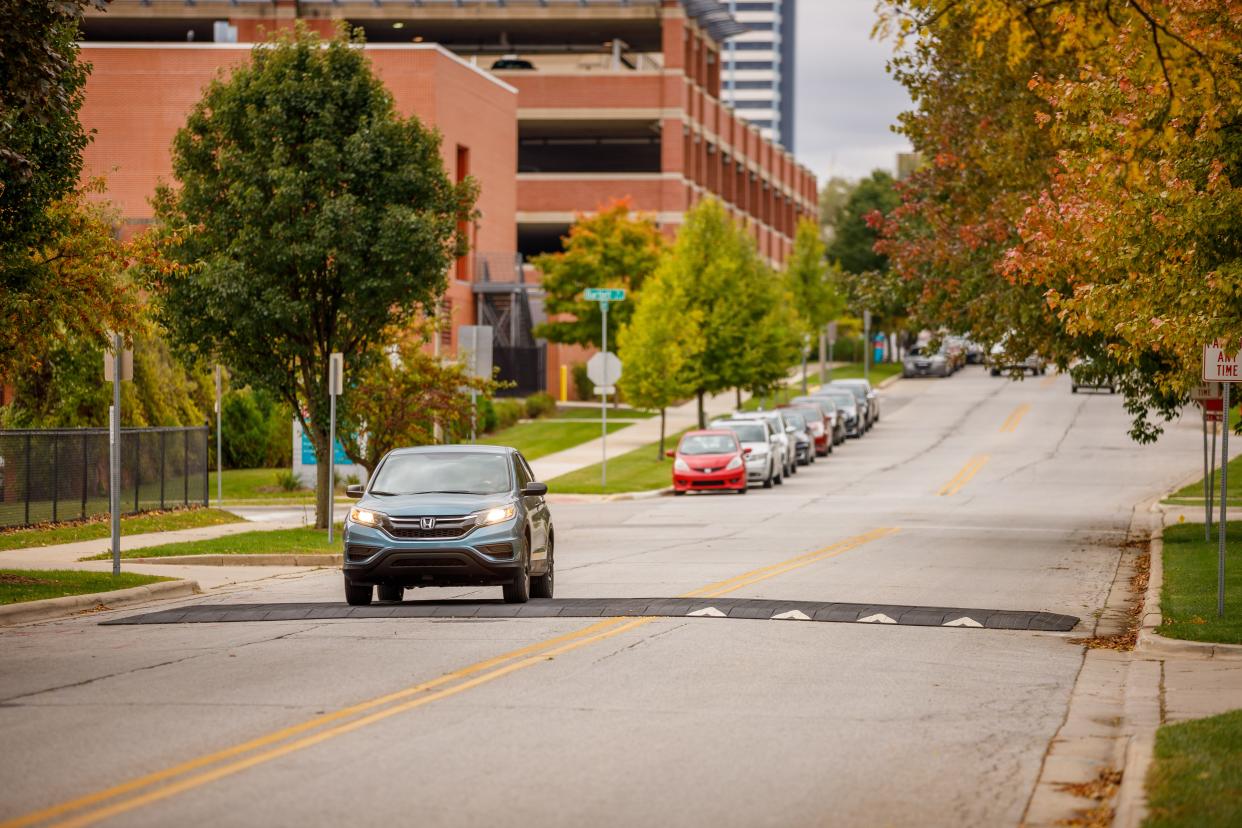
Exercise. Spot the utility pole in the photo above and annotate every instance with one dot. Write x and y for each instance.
(219, 443)
(603, 405)
(114, 451)
(336, 383)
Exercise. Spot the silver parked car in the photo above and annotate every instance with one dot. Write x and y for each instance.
(853, 408)
(804, 443)
(784, 436)
(921, 361)
(763, 462)
(873, 396)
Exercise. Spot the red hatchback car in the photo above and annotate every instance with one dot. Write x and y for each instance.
(707, 460)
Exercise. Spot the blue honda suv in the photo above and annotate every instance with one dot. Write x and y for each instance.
(449, 516)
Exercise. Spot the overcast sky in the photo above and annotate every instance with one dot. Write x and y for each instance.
(844, 100)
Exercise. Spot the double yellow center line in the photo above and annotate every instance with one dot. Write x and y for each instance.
(1015, 417)
(153, 787)
(963, 477)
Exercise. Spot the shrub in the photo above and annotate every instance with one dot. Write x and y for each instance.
(287, 481)
(583, 387)
(244, 429)
(486, 418)
(508, 412)
(539, 405)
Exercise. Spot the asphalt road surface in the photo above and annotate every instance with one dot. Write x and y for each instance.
(973, 492)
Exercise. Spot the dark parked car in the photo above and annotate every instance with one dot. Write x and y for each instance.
(449, 516)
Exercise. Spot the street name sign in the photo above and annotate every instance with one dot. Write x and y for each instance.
(1220, 366)
(604, 294)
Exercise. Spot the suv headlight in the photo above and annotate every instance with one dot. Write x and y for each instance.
(735, 463)
(498, 514)
(680, 465)
(366, 517)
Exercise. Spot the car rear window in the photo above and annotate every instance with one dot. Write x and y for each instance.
(443, 472)
(707, 444)
(748, 432)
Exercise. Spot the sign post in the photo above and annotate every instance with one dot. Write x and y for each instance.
(606, 377)
(118, 366)
(1210, 400)
(866, 344)
(336, 384)
(219, 444)
(823, 354)
(1219, 366)
(832, 341)
(474, 349)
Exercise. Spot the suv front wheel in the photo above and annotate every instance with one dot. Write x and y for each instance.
(541, 586)
(357, 595)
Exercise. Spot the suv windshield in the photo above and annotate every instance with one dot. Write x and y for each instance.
(748, 432)
(456, 472)
(708, 444)
(796, 420)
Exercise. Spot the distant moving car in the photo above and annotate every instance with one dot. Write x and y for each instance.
(451, 515)
(763, 459)
(872, 396)
(1000, 361)
(709, 460)
(1087, 374)
(974, 352)
(784, 437)
(512, 62)
(921, 361)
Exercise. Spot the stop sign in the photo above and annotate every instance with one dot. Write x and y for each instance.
(604, 368)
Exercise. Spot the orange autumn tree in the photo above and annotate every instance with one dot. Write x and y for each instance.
(614, 247)
(1081, 191)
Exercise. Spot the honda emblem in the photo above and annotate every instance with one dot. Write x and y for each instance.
(429, 523)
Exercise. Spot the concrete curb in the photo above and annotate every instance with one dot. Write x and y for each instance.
(29, 611)
(1151, 642)
(240, 560)
(886, 383)
(667, 490)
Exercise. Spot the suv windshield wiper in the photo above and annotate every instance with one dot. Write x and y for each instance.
(381, 494)
(446, 491)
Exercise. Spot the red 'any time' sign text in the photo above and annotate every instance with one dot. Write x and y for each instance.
(1221, 366)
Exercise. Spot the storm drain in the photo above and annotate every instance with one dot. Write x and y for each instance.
(747, 608)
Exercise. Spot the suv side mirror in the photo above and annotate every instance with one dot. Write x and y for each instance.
(354, 490)
(534, 489)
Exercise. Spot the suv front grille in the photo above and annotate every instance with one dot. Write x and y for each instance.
(444, 528)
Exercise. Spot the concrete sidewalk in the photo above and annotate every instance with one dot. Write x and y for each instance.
(68, 555)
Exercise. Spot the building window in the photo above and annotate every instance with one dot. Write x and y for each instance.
(750, 65)
(445, 323)
(754, 46)
(463, 227)
(752, 105)
(753, 84)
(753, 7)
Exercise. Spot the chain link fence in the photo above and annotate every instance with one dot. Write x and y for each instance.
(62, 474)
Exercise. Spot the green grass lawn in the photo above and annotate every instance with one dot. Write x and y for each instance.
(17, 585)
(1188, 601)
(275, 542)
(1192, 495)
(100, 527)
(854, 370)
(257, 484)
(635, 471)
(1196, 777)
(541, 437)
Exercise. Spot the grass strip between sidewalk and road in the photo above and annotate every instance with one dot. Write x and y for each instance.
(640, 470)
(1196, 776)
(584, 412)
(301, 541)
(100, 527)
(1192, 495)
(257, 485)
(543, 437)
(20, 585)
(1188, 599)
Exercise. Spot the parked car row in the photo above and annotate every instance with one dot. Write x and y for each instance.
(763, 448)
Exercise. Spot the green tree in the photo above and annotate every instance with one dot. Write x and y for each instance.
(853, 244)
(615, 247)
(815, 295)
(832, 200)
(708, 267)
(400, 397)
(662, 338)
(310, 219)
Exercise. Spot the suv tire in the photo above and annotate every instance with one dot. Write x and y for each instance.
(389, 592)
(543, 585)
(518, 592)
(357, 595)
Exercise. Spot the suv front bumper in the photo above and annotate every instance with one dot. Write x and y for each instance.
(487, 556)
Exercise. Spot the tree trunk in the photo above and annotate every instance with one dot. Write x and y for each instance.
(323, 482)
(660, 455)
(702, 417)
(738, 394)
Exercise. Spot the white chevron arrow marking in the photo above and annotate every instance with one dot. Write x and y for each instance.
(707, 612)
(792, 615)
(964, 621)
(878, 618)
